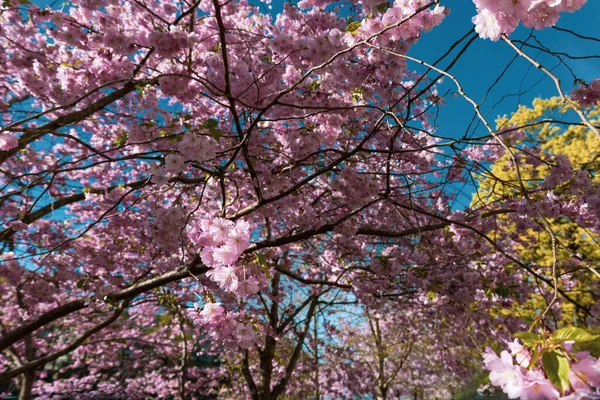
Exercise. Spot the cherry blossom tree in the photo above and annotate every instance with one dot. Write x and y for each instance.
(189, 188)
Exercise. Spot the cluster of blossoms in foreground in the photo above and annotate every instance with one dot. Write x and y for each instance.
(222, 326)
(8, 142)
(497, 17)
(587, 95)
(223, 243)
(519, 376)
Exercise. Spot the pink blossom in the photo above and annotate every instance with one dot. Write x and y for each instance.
(239, 238)
(537, 387)
(225, 329)
(226, 278)
(207, 256)
(580, 395)
(248, 287)
(503, 373)
(219, 229)
(226, 255)
(589, 95)
(245, 335)
(8, 142)
(517, 8)
(586, 372)
(174, 163)
(197, 147)
(18, 226)
(487, 25)
(520, 353)
(212, 313)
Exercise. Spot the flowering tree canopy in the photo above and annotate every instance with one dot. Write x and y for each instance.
(203, 198)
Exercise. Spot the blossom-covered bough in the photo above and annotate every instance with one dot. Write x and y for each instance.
(199, 198)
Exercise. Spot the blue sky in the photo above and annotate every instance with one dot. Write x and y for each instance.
(484, 61)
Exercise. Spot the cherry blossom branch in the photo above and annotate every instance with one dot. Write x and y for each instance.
(513, 158)
(76, 116)
(281, 385)
(78, 342)
(572, 104)
(57, 204)
(14, 336)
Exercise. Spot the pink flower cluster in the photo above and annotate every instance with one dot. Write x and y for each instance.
(173, 165)
(8, 142)
(588, 95)
(223, 243)
(513, 373)
(192, 147)
(497, 17)
(197, 148)
(224, 326)
(169, 43)
(415, 21)
(166, 226)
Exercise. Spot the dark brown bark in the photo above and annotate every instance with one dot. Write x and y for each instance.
(18, 334)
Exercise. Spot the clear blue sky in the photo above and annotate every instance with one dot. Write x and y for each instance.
(485, 60)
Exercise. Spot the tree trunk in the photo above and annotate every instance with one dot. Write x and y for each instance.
(27, 379)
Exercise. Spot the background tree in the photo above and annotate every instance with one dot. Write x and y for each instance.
(558, 161)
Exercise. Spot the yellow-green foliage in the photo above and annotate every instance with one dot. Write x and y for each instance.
(543, 130)
(543, 127)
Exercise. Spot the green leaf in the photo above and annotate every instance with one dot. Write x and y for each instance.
(383, 7)
(211, 123)
(502, 291)
(357, 94)
(216, 133)
(261, 259)
(572, 333)
(164, 319)
(528, 337)
(535, 357)
(81, 283)
(353, 27)
(557, 369)
(121, 140)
